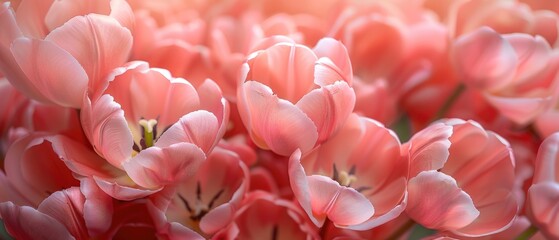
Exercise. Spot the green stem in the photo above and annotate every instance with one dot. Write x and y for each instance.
(400, 231)
(450, 101)
(528, 233)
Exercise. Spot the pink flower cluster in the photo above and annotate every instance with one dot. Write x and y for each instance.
(263, 119)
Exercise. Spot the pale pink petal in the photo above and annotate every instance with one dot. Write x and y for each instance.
(435, 201)
(199, 128)
(543, 200)
(286, 68)
(546, 123)
(484, 59)
(520, 110)
(428, 149)
(218, 218)
(31, 15)
(107, 130)
(67, 207)
(61, 11)
(300, 186)
(23, 223)
(122, 192)
(328, 107)
(156, 167)
(342, 205)
(333, 63)
(41, 61)
(97, 208)
(211, 99)
(99, 43)
(263, 113)
(547, 161)
(533, 55)
(547, 26)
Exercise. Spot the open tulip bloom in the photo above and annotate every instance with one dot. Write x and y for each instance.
(263, 119)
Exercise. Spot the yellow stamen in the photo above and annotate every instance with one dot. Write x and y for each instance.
(346, 179)
(148, 126)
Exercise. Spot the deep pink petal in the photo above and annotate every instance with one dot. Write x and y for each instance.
(274, 123)
(435, 201)
(23, 223)
(67, 207)
(41, 61)
(156, 167)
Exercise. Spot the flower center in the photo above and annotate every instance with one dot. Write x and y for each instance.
(344, 178)
(148, 130)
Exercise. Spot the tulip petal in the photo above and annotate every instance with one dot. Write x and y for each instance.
(199, 128)
(533, 55)
(23, 223)
(520, 110)
(218, 218)
(99, 43)
(333, 63)
(328, 107)
(342, 205)
(97, 208)
(274, 123)
(30, 16)
(41, 60)
(62, 11)
(66, 206)
(435, 201)
(122, 192)
(484, 59)
(156, 167)
(428, 149)
(286, 68)
(543, 207)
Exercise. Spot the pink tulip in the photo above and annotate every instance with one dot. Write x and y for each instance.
(207, 201)
(156, 128)
(42, 37)
(544, 192)
(462, 179)
(305, 91)
(546, 123)
(357, 179)
(34, 171)
(516, 72)
(263, 216)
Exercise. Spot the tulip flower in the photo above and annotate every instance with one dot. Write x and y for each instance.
(42, 37)
(357, 179)
(156, 128)
(305, 91)
(461, 179)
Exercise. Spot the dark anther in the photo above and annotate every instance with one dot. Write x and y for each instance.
(185, 204)
(216, 196)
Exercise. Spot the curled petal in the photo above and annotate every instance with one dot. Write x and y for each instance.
(428, 149)
(328, 107)
(274, 123)
(156, 167)
(333, 63)
(23, 222)
(342, 205)
(199, 128)
(435, 201)
(543, 199)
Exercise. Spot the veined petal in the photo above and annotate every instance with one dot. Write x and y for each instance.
(62, 11)
(66, 206)
(156, 167)
(333, 63)
(275, 123)
(99, 43)
(435, 201)
(199, 128)
(41, 62)
(328, 107)
(23, 222)
(342, 205)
